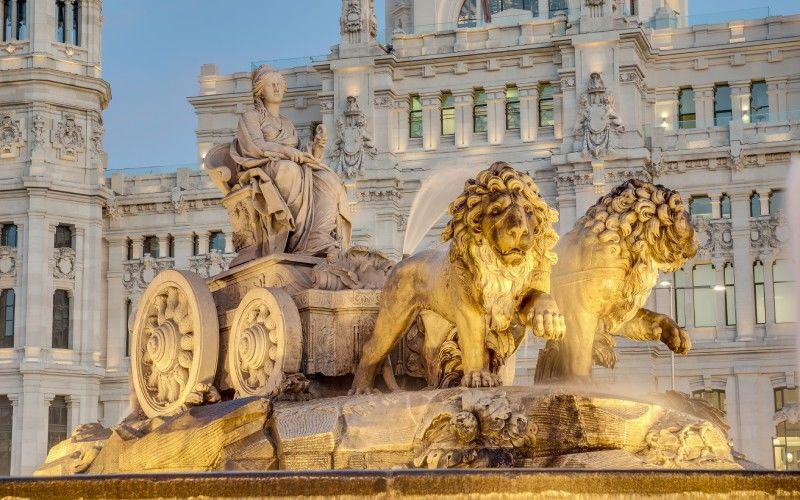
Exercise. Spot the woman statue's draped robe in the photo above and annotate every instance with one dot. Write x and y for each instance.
(303, 208)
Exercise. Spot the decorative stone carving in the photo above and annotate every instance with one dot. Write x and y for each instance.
(351, 16)
(279, 194)
(714, 237)
(96, 146)
(477, 431)
(174, 345)
(63, 263)
(37, 132)
(597, 120)
(68, 138)
(112, 209)
(137, 274)
(360, 267)
(769, 233)
(210, 264)
(493, 258)
(616, 250)
(352, 141)
(179, 205)
(8, 262)
(790, 413)
(10, 137)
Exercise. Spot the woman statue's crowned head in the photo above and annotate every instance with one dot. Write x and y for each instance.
(268, 86)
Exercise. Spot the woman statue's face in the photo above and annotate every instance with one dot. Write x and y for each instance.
(273, 90)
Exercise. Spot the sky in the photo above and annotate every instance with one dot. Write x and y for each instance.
(153, 50)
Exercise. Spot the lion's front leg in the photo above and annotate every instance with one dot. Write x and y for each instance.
(545, 318)
(649, 325)
(471, 327)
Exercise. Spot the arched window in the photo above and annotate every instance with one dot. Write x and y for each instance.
(777, 201)
(61, 21)
(63, 237)
(57, 421)
(61, 320)
(68, 22)
(700, 206)
(512, 107)
(216, 241)
(703, 296)
(496, 6)
(783, 292)
(75, 29)
(8, 235)
(468, 16)
(725, 206)
(150, 246)
(14, 16)
(758, 288)
(414, 118)
(545, 105)
(7, 299)
(755, 205)
(687, 118)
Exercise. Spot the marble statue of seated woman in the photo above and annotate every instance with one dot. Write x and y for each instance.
(296, 203)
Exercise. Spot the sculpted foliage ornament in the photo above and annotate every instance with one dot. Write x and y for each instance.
(477, 430)
(63, 263)
(10, 137)
(597, 119)
(352, 141)
(68, 138)
(616, 251)
(351, 16)
(8, 262)
(37, 132)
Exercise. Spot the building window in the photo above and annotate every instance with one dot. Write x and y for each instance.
(61, 21)
(63, 237)
(468, 16)
(777, 201)
(448, 114)
(150, 246)
(755, 205)
(700, 206)
(759, 102)
(703, 295)
(8, 235)
(57, 421)
(686, 113)
(786, 443)
(12, 31)
(554, 6)
(75, 29)
(714, 397)
(61, 320)
(758, 283)
(496, 6)
(129, 249)
(545, 105)
(479, 114)
(7, 20)
(7, 299)
(6, 426)
(783, 292)
(171, 246)
(512, 108)
(128, 313)
(725, 206)
(722, 105)
(634, 8)
(730, 295)
(216, 241)
(22, 20)
(681, 283)
(414, 118)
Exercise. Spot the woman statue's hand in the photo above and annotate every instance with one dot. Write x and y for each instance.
(293, 154)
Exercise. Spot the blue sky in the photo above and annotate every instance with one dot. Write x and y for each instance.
(153, 50)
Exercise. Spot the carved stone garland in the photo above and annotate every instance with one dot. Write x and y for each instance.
(266, 342)
(68, 138)
(352, 141)
(175, 344)
(597, 119)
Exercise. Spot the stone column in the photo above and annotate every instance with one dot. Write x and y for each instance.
(68, 21)
(666, 108)
(431, 121)
(34, 418)
(36, 279)
(704, 105)
(496, 114)
(202, 243)
(137, 242)
(116, 322)
(742, 265)
(163, 245)
(740, 101)
(754, 427)
(183, 249)
(776, 96)
(715, 204)
(529, 112)
(763, 195)
(13, 7)
(400, 131)
(229, 243)
(464, 124)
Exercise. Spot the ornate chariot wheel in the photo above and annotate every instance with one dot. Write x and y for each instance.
(175, 343)
(266, 341)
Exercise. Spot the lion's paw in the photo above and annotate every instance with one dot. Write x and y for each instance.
(546, 320)
(362, 391)
(672, 335)
(483, 378)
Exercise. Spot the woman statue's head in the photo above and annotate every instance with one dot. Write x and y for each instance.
(268, 85)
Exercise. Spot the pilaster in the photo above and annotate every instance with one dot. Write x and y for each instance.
(496, 114)
(529, 112)
(742, 265)
(431, 121)
(464, 124)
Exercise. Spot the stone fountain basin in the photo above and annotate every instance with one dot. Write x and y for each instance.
(543, 427)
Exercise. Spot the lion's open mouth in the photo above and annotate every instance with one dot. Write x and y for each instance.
(511, 251)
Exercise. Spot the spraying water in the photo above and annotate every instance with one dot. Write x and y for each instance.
(431, 202)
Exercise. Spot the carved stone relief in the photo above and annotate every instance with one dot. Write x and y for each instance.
(136, 274)
(713, 237)
(597, 120)
(352, 141)
(112, 209)
(37, 132)
(8, 262)
(351, 16)
(359, 268)
(68, 138)
(63, 263)
(178, 203)
(769, 233)
(10, 137)
(210, 264)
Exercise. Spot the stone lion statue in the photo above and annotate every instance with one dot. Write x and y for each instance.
(478, 295)
(607, 267)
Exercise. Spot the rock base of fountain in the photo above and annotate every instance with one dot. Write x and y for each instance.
(510, 427)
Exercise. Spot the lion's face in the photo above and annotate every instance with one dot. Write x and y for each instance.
(678, 243)
(508, 225)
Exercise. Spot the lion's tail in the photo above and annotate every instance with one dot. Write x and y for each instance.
(388, 376)
(548, 365)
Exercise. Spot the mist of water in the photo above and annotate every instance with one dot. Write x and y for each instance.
(793, 221)
(431, 202)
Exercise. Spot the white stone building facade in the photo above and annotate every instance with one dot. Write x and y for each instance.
(582, 94)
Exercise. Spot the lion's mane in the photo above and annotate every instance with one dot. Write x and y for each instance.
(500, 282)
(643, 224)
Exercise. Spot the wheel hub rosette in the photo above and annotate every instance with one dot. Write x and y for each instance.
(265, 342)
